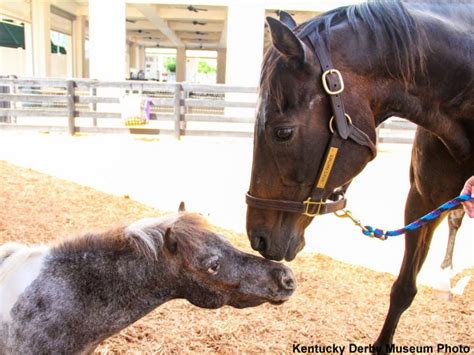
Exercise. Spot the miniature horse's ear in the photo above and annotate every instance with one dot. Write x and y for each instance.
(182, 207)
(287, 19)
(285, 41)
(170, 241)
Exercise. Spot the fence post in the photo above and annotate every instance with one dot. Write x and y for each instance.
(94, 107)
(71, 107)
(13, 105)
(5, 89)
(177, 111)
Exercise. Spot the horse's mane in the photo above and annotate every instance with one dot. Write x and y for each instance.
(388, 21)
(144, 237)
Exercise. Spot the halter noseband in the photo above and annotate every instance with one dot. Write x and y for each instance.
(316, 203)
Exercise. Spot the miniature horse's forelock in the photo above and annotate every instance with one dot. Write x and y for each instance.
(190, 231)
(388, 22)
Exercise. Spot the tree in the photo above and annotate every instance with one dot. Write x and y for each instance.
(205, 68)
(170, 64)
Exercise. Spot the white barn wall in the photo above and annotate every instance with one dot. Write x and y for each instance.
(59, 66)
(13, 61)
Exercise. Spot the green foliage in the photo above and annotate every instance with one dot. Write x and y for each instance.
(170, 64)
(205, 68)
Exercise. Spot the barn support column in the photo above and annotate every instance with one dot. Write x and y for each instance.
(141, 58)
(134, 56)
(41, 37)
(107, 47)
(107, 40)
(79, 40)
(245, 35)
(180, 64)
(221, 61)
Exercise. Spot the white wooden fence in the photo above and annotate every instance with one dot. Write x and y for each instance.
(85, 105)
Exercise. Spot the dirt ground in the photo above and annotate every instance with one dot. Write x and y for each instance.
(335, 303)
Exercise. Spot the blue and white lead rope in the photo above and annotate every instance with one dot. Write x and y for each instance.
(382, 234)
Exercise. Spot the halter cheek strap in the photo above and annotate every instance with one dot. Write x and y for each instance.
(334, 86)
(317, 203)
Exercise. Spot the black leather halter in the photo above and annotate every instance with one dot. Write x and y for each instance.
(321, 201)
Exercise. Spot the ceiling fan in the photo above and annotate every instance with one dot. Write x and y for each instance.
(191, 8)
(199, 23)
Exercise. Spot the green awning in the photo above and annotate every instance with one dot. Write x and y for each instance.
(57, 49)
(12, 35)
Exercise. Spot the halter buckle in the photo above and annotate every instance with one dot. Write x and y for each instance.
(348, 118)
(308, 203)
(325, 83)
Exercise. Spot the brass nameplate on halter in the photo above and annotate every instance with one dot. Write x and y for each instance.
(323, 179)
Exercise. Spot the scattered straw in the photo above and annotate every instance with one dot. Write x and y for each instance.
(334, 303)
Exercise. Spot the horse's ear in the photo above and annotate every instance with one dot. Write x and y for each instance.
(170, 241)
(287, 19)
(182, 207)
(285, 41)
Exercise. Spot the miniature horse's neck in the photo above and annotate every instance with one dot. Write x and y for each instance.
(128, 287)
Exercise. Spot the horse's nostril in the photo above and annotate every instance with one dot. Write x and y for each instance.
(285, 280)
(288, 282)
(258, 243)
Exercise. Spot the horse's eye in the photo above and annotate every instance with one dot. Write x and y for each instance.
(283, 134)
(214, 267)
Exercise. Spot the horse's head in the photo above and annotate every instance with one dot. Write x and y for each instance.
(293, 133)
(211, 273)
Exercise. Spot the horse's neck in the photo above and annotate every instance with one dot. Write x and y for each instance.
(131, 284)
(438, 99)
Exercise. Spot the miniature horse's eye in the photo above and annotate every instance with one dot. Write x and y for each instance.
(214, 267)
(283, 134)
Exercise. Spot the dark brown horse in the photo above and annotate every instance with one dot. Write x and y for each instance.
(413, 60)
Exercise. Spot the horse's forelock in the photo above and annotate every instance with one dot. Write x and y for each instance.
(191, 231)
(280, 81)
(270, 85)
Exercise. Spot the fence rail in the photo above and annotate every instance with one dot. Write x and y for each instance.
(85, 105)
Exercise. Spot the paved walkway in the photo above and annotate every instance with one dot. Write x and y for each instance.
(212, 176)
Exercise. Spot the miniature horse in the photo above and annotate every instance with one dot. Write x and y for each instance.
(67, 298)
(325, 86)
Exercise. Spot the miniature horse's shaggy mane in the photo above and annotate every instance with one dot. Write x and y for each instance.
(391, 26)
(145, 240)
(114, 240)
